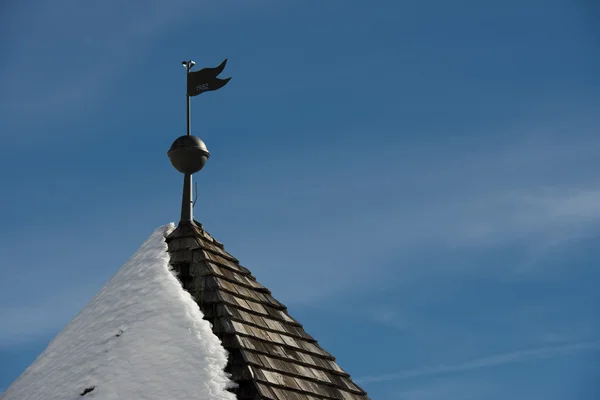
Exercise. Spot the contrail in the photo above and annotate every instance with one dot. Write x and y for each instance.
(500, 359)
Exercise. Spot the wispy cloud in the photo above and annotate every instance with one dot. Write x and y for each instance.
(51, 70)
(71, 53)
(487, 362)
(407, 199)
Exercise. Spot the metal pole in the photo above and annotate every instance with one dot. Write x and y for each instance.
(187, 202)
(188, 101)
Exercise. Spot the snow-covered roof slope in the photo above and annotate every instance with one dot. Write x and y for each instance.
(142, 337)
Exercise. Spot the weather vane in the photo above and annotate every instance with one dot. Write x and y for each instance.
(202, 81)
(188, 154)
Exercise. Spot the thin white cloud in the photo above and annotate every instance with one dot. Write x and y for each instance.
(486, 362)
(405, 200)
(456, 196)
(72, 49)
(66, 59)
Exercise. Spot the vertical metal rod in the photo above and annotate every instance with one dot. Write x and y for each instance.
(189, 122)
(187, 202)
(188, 101)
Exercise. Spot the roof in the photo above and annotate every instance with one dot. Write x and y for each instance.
(270, 354)
(141, 337)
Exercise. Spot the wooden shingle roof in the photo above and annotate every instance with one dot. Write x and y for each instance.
(270, 354)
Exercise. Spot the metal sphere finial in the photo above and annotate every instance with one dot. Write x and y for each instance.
(188, 154)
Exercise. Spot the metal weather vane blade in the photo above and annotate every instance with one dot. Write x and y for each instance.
(201, 81)
(205, 80)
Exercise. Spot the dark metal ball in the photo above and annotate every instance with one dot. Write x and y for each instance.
(188, 154)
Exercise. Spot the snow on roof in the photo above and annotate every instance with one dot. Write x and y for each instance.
(142, 337)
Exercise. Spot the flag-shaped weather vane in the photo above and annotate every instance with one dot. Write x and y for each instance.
(202, 81)
(188, 154)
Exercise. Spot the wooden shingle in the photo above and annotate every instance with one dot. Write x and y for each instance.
(270, 355)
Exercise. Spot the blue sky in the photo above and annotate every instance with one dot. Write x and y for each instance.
(416, 180)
